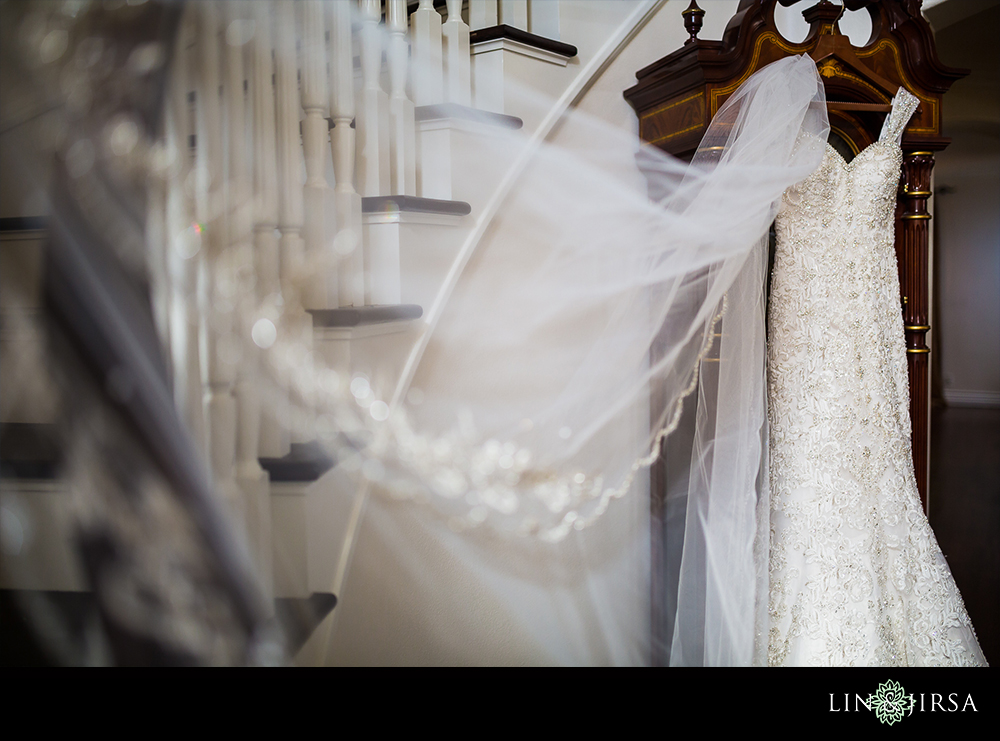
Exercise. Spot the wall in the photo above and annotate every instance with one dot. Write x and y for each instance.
(967, 216)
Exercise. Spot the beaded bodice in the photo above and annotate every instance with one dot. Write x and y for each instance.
(857, 577)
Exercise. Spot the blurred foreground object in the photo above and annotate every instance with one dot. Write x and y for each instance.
(170, 581)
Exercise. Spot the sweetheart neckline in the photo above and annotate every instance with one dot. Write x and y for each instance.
(847, 164)
(903, 99)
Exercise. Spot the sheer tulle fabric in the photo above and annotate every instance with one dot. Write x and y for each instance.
(586, 306)
(562, 354)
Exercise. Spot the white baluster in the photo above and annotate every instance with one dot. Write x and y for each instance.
(217, 306)
(456, 55)
(184, 244)
(514, 13)
(428, 75)
(273, 440)
(234, 98)
(290, 207)
(373, 128)
(290, 188)
(347, 244)
(403, 174)
(483, 14)
(315, 134)
(251, 478)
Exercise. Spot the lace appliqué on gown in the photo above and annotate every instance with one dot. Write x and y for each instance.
(856, 575)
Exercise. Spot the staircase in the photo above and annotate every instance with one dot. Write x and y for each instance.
(345, 142)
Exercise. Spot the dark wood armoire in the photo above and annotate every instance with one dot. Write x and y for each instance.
(676, 97)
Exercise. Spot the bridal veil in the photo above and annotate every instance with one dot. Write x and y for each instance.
(490, 497)
(556, 357)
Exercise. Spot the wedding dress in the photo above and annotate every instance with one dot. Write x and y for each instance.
(856, 575)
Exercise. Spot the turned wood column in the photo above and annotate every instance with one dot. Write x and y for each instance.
(912, 252)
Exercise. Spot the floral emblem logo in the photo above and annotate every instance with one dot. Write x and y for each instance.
(890, 702)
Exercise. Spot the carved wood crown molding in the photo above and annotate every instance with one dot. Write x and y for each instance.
(677, 96)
